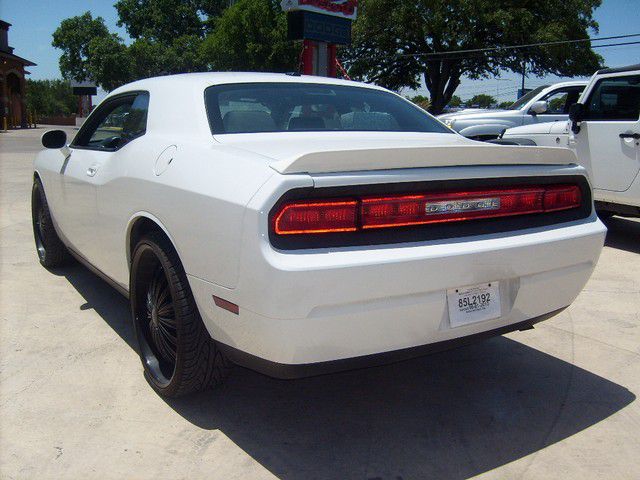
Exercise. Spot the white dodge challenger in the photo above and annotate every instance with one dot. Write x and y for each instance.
(301, 225)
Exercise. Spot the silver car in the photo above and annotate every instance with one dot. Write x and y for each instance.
(548, 103)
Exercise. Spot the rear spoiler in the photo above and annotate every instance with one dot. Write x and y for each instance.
(350, 160)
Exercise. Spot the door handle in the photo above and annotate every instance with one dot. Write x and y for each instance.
(91, 171)
(635, 136)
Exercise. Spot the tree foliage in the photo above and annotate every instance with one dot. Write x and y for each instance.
(455, 101)
(397, 42)
(73, 37)
(50, 98)
(482, 100)
(422, 101)
(164, 20)
(175, 36)
(251, 35)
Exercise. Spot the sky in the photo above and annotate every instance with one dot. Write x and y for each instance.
(34, 21)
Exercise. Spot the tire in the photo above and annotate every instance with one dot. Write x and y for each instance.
(177, 353)
(50, 249)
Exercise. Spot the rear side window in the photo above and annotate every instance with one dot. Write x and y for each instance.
(115, 123)
(289, 107)
(615, 98)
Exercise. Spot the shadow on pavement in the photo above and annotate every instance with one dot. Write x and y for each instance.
(451, 415)
(102, 298)
(623, 234)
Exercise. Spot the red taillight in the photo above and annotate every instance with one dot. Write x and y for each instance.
(562, 197)
(316, 217)
(365, 213)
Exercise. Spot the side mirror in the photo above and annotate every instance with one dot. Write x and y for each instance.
(576, 114)
(54, 139)
(538, 107)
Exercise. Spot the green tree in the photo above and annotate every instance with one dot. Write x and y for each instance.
(90, 51)
(422, 101)
(251, 35)
(176, 36)
(399, 43)
(455, 101)
(504, 105)
(109, 63)
(165, 20)
(482, 100)
(50, 97)
(73, 37)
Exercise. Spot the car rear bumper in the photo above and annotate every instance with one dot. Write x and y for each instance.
(302, 370)
(312, 307)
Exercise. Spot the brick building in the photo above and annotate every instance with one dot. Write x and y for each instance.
(13, 104)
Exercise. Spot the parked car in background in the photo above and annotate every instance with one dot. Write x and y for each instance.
(541, 105)
(605, 134)
(299, 225)
(550, 134)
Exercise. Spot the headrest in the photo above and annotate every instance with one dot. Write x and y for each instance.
(248, 121)
(368, 121)
(307, 123)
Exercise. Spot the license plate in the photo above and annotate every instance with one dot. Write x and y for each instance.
(473, 303)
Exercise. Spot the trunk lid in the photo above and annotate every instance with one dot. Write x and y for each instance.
(329, 152)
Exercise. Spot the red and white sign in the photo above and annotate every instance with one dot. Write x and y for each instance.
(337, 8)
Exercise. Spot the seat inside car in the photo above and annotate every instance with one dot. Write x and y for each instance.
(368, 121)
(248, 121)
(306, 123)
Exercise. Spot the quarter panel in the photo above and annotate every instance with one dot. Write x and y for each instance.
(200, 200)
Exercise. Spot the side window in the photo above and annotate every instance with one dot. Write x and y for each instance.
(615, 98)
(115, 124)
(558, 102)
(135, 122)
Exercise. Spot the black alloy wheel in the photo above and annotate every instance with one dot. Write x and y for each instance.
(50, 249)
(177, 352)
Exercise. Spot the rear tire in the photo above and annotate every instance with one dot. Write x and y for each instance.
(177, 353)
(51, 251)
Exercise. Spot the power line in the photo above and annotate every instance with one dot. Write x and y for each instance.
(541, 44)
(479, 55)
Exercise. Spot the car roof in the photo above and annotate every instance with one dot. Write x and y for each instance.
(177, 103)
(570, 83)
(628, 68)
(203, 80)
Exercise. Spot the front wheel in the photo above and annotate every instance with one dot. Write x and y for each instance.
(177, 352)
(51, 251)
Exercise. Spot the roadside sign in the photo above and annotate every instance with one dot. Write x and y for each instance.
(337, 8)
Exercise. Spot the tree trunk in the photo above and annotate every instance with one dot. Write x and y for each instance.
(441, 77)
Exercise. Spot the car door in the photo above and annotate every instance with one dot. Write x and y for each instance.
(98, 140)
(117, 191)
(609, 129)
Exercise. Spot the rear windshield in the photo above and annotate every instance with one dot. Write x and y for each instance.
(286, 107)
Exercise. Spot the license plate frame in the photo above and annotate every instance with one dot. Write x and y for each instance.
(474, 303)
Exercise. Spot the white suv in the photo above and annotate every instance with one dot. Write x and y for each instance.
(542, 105)
(605, 134)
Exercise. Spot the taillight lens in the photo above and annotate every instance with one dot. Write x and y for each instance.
(562, 197)
(316, 217)
(390, 211)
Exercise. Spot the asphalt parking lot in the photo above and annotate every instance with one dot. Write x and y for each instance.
(555, 402)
